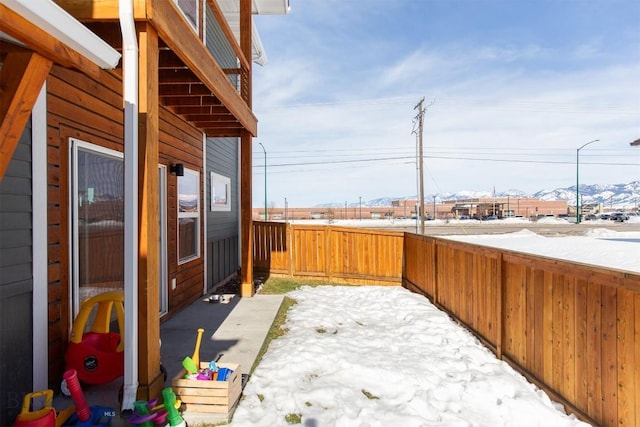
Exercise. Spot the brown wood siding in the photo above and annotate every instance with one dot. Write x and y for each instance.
(91, 110)
(181, 143)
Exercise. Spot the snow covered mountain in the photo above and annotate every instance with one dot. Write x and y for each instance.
(612, 196)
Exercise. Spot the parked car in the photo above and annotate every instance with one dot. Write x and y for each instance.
(619, 217)
(590, 217)
(605, 216)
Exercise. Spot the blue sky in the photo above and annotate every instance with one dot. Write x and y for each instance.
(512, 89)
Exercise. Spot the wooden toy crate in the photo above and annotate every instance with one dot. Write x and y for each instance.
(209, 396)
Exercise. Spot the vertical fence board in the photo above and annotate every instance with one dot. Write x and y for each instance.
(557, 328)
(530, 320)
(636, 380)
(609, 356)
(581, 349)
(547, 315)
(538, 341)
(626, 359)
(568, 345)
(594, 355)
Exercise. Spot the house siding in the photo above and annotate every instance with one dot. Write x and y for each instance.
(16, 281)
(219, 46)
(181, 143)
(223, 238)
(90, 109)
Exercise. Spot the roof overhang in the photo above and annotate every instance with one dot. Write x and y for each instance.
(55, 21)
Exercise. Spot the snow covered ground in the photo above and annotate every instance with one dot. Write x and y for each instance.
(600, 247)
(382, 356)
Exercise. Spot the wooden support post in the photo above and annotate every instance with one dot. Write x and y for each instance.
(246, 220)
(150, 378)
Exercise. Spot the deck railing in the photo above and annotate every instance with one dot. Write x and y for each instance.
(572, 329)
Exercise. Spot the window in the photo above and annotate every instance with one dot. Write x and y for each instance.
(190, 10)
(220, 192)
(97, 203)
(188, 216)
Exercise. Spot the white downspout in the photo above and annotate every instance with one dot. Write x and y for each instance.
(130, 94)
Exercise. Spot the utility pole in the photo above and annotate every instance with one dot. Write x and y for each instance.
(420, 118)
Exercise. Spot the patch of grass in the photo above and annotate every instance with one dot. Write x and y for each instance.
(293, 418)
(308, 404)
(369, 395)
(282, 285)
(321, 330)
(261, 397)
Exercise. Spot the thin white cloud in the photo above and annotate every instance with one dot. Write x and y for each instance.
(518, 93)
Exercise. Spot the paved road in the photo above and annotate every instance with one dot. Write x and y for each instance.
(499, 227)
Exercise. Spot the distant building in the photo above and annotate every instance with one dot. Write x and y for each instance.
(479, 208)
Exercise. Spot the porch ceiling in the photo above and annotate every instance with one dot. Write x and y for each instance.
(180, 90)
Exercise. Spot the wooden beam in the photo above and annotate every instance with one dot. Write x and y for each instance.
(100, 10)
(40, 41)
(246, 217)
(209, 110)
(21, 78)
(191, 100)
(208, 118)
(149, 376)
(246, 173)
(171, 26)
(223, 133)
(246, 33)
(186, 90)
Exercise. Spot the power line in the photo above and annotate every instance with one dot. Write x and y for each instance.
(329, 162)
(469, 104)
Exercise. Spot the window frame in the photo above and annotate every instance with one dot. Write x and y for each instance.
(182, 215)
(195, 26)
(76, 145)
(218, 180)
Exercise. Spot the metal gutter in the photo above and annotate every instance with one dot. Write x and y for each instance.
(130, 95)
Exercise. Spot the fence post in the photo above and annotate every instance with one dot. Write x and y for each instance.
(434, 269)
(500, 306)
(289, 236)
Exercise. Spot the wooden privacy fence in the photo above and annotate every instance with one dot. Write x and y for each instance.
(338, 254)
(572, 329)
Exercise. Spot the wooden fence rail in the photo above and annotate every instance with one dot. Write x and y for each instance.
(573, 329)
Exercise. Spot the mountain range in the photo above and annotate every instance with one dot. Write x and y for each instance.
(618, 196)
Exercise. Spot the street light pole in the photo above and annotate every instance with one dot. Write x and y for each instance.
(265, 180)
(578, 179)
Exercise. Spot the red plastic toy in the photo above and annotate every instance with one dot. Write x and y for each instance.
(98, 354)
